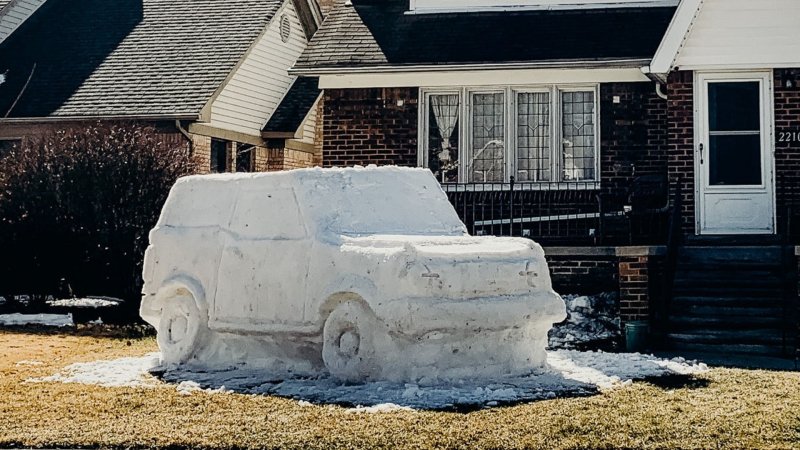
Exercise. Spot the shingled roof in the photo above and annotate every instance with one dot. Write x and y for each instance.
(294, 107)
(376, 33)
(126, 58)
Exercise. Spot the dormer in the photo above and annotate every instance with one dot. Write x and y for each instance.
(439, 6)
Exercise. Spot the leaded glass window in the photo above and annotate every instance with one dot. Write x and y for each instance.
(578, 135)
(533, 136)
(487, 143)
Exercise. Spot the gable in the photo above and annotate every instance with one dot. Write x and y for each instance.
(744, 33)
(731, 34)
(255, 89)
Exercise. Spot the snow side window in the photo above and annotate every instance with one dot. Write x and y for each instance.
(537, 134)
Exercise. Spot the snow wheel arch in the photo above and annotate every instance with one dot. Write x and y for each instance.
(181, 327)
(349, 342)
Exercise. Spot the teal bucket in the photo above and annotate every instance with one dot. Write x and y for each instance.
(636, 334)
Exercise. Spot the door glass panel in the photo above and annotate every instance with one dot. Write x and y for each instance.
(735, 160)
(734, 106)
(734, 141)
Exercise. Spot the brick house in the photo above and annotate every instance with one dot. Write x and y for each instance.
(211, 75)
(651, 146)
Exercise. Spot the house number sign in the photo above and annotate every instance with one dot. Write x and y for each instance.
(789, 136)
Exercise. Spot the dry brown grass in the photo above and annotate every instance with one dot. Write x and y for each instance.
(721, 409)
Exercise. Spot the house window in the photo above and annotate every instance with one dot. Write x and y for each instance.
(7, 144)
(219, 156)
(245, 155)
(536, 134)
(486, 157)
(444, 111)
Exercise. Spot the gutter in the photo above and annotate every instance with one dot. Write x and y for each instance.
(61, 119)
(564, 64)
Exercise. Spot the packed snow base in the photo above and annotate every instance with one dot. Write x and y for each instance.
(571, 373)
(592, 323)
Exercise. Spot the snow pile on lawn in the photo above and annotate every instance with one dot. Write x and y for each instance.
(123, 372)
(592, 323)
(572, 373)
(49, 320)
(92, 302)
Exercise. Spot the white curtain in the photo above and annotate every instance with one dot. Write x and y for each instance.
(445, 111)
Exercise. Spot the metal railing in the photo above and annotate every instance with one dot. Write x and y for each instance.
(557, 213)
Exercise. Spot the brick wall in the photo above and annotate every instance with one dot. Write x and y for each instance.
(370, 126)
(634, 288)
(583, 275)
(787, 151)
(680, 141)
(633, 133)
(201, 150)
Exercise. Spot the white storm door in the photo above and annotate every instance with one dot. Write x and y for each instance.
(734, 158)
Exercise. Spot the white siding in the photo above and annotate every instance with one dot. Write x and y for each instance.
(309, 125)
(259, 84)
(743, 33)
(16, 12)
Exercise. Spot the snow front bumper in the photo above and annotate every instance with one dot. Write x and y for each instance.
(418, 316)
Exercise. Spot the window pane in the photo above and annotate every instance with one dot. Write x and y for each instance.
(734, 106)
(219, 156)
(487, 153)
(245, 156)
(533, 136)
(443, 129)
(578, 135)
(735, 160)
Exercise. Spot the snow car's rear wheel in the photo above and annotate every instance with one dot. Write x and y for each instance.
(348, 347)
(180, 327)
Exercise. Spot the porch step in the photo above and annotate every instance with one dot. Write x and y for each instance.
(732, 299)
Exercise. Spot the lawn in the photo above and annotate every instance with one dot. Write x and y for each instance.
(723, 408)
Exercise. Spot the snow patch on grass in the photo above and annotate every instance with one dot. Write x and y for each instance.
(123, 372)
(571, 373)
(48, 320)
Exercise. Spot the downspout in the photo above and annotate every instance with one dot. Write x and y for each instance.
(185, 134)
(660, 91)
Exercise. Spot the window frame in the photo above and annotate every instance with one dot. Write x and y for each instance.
(511, 123)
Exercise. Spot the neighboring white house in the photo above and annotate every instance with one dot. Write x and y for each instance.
(14, 12)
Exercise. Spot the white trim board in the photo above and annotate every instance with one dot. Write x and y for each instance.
(519, 77)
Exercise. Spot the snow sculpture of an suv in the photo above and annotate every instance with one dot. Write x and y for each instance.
(367, 272)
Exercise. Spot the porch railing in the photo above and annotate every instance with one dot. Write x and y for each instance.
(557, 213)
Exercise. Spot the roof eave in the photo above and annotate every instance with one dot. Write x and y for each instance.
(559, 64)
(118, 117)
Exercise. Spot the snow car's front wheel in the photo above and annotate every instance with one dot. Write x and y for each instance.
(348, 347)
(180, 327)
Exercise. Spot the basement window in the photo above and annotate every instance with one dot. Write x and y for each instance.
(534, 134)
